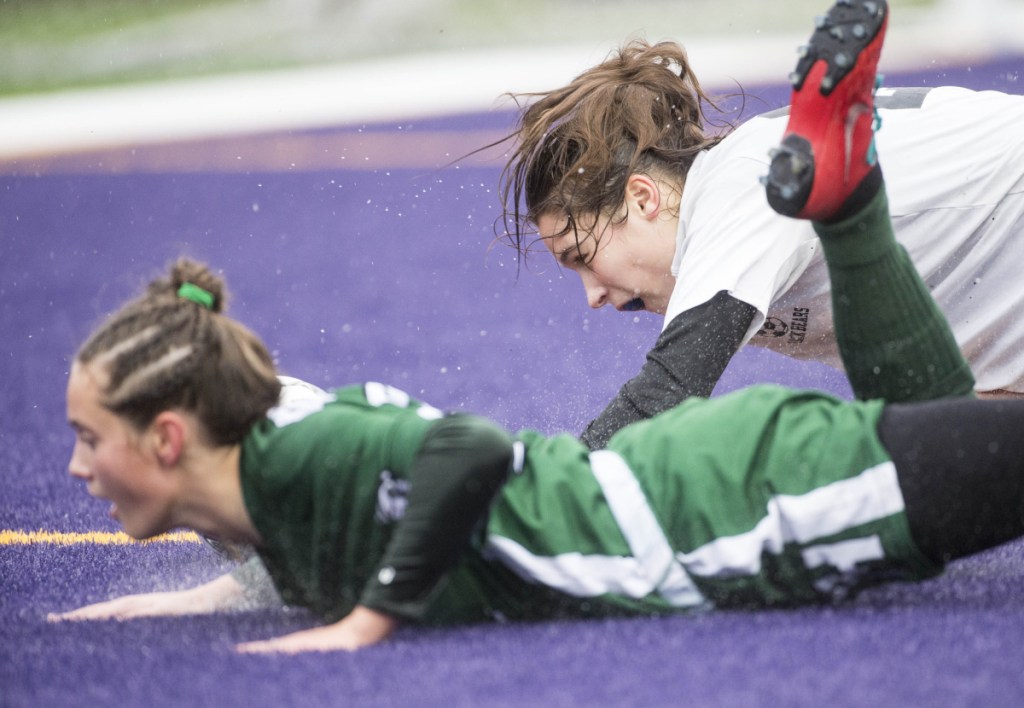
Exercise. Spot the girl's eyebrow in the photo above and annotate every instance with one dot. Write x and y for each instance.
(563, 255)
(575, 244)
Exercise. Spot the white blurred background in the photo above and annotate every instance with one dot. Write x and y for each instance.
(98, 72)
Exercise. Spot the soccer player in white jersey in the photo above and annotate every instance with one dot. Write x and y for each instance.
(626, 184)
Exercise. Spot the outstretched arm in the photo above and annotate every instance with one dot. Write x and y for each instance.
(223, 593)
(362, 627)
(687, 360)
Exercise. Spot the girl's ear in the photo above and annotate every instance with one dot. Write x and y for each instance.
(643, 196)
(169, 433)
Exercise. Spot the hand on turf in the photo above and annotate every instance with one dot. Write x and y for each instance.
(222, 593)
(362, 628)
(147, 605)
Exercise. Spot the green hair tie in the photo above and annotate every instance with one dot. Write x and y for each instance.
(191, 291)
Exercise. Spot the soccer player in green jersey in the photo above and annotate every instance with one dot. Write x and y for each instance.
(371, 508)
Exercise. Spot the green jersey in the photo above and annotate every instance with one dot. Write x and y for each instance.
(763, 497)
(767, 496)
(326, 479)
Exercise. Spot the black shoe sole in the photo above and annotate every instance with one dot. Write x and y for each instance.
(839, 37)
(790, 176)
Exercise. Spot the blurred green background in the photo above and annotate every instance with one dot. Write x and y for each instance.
(47, 45)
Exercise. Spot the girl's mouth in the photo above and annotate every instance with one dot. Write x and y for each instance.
(633, 305)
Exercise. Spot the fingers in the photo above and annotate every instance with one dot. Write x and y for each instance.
(288, 645)
(269, 646)
(99, 611)
(333, 637)
(121, 608)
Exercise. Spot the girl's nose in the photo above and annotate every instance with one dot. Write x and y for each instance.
(597, 294)
(76, 465)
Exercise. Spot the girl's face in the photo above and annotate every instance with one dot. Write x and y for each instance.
(627, 264)
(116, 461)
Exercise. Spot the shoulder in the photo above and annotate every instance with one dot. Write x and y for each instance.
(309, 418)
(299, 445)
(732, 167)
(761, 130)
(300, 399)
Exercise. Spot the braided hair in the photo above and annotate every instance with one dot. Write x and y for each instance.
(173, 348)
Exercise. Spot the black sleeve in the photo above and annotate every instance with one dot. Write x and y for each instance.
(687, 360)
(462, 464)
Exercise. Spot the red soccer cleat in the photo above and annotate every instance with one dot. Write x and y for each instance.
(828, 148)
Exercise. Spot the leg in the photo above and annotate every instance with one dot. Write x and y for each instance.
(961, 469)
(894, 341)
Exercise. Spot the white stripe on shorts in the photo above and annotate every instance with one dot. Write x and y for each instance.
(652, 567)
(872, 495)
(643, 533)
(572, 573)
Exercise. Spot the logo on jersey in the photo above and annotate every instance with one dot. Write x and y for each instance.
(392, 498)
(773, 327)
(795, 329)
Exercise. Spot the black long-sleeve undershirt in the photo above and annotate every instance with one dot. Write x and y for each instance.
(462, 464)
(687, 360)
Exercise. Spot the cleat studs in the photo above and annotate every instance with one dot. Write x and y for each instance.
(859, 31)
(842, 60)
(774, 152)
(871, 7)
(803, 50)
(837, 33)
(821, 22)
(763, 179)
(827, 83)
(787, 192)
(794, 78)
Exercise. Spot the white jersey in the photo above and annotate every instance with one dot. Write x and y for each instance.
(953, 161)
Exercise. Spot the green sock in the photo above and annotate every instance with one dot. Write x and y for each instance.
(894, 341)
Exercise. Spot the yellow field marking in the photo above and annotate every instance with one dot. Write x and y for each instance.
(101, 538)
